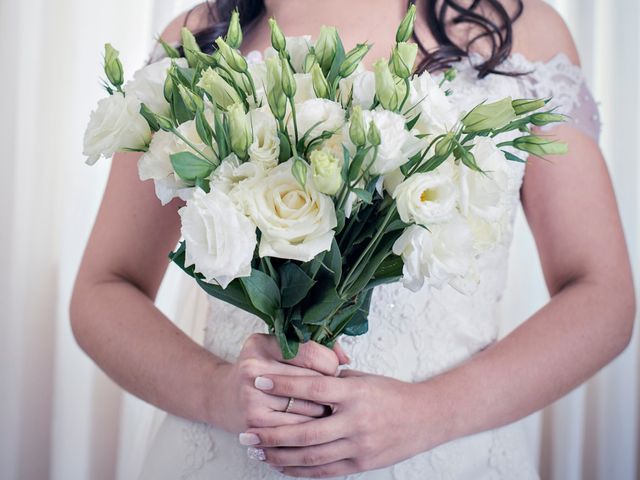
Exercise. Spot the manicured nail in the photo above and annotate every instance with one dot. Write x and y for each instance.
(256, 454)
(248, 439)
(263, 383)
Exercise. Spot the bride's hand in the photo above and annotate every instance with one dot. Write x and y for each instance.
(376, 422)
(246, 406)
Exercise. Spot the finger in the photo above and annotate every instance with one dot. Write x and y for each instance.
(310, 355)
(309, 456)
(343, 358)
(327, 390)
(335, 469)
(298, 406)
(277, 419)
(313, 432)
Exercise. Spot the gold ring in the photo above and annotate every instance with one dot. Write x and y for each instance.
(289, 405)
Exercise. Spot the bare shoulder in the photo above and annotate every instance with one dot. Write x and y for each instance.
(195, 19)
(540, 33)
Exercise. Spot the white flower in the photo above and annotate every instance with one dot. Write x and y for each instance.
(115, 124)
(304, 90)
(437, 114)
(295, 223)
(483, 195)
(231, 172)
(219, 239)
(427, 198)
(156, 162)
(363, 84)
(317, 115)
(265, 148)
(298, 48)
(392, 179)
(397, 143)
(443, 254)
(148, 84)
(258, 71)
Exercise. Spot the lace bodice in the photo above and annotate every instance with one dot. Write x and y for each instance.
(414, 336)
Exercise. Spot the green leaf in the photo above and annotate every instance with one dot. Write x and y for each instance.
(288, 347)
(189, 166)
(364, 195)
(234, 293)
(325, 301)
(204, 129)
(345, 165)
(412, 123)
(359, 323)
(356, 165)
(332, 262)
(337, 61)
(263, 292)
(285, 147)
(294, 284)
(512, 157)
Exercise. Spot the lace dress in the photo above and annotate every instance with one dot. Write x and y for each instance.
(413, 336)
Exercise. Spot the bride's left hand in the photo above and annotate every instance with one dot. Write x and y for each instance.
(376, 422)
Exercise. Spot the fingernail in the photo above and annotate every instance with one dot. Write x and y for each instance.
(248, 439)
(256, 454)
(263, 383)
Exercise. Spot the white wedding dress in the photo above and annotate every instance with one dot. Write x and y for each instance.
(412, 336)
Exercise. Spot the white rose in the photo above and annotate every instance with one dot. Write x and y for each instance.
(298, 48)
(219, 239)
(156, 162)
(232, 172)
(441, 254)
(295, 223)
(483, 195)
(265, 148)
(427, 198)
(437, 114)
(115, 124)
(363, 85)
(148, 84)
(317, 115)
(397, 143)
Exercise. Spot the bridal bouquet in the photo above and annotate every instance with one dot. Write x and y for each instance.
(310, 180)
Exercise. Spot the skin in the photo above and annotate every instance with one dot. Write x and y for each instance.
(587, 322)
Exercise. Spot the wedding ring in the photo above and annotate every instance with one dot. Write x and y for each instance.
(289, 405)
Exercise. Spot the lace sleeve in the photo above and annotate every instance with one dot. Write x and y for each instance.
(565, 82)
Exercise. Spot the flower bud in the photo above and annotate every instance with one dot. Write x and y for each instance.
(444, 146)
(239, 130)
(233, 58)
(326, 47)
(489, 116)
(405, 30)
(219, 90)
(278, 41)
(540, 146)
(190, 46)
(386, 90)
(275, 96)
(374, 135)
(326, 171)
(544, 118)
(234, 33)
(403, 58)
(156, 122)
(357, 128)
(169, 85)
(112, 66)
(353, 59)
(190, 99)
(309, 61)
(299, 171)
(525, 105)
(289, 85)
(320, 84)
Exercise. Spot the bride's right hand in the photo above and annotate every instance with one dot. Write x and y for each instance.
(246, 406)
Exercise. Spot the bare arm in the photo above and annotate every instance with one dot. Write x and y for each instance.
(115, 321)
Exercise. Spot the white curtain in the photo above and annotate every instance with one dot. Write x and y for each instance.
(60, 417)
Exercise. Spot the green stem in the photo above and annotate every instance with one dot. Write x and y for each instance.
(371, 246)
(295, 120)
(202, 155)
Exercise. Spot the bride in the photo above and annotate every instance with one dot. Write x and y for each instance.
(431, 391)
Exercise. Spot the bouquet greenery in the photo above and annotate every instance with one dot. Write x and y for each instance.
(309, 180)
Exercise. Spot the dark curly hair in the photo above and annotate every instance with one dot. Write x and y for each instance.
(441, 15)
